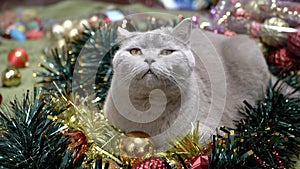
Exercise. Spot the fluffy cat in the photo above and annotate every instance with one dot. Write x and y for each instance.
(167, 79)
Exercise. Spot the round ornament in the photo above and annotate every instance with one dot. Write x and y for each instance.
(136, 146)
(293, 43)
(67, 25)
(82, 24)
(282, 60)
(258, 9)
(34, 34)
(17, 35)
(73, 32)
(18, 57)
(272, 33)
(58, 31)
(11, 77)
(151, 163)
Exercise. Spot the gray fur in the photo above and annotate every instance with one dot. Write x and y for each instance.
(186, 78)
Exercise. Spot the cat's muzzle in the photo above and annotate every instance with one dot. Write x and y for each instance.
(149, 72)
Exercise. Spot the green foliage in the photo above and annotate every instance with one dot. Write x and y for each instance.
(29, 139)
(266, 138)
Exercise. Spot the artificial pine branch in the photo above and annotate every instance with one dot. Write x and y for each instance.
(29, 139)
(72, 67)
(266, 138)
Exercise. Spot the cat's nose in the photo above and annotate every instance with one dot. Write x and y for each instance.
(149, 61)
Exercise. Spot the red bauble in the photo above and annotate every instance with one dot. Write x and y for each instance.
(151, 163)
(293, 44)
(283, 60)
(18, 57)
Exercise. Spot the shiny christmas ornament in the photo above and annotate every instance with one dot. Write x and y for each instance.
(18, 57)
(151, 163)
(58, 31)
(82, 24)
(11, 77)
(283, 60)
(20, 26)
(293, 43)
(17, 35)
(67, 25)
(136, 146)
(73, 32)
(258, 9)
(93, 20)
(272, 32)
(34, 34)
(33, 25)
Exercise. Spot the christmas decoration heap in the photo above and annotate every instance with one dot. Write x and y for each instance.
(273, 23)
(60, 129)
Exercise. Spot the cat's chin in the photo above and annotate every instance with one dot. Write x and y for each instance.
(150, 81)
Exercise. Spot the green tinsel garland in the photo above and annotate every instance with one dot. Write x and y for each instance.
(29, 139)
(266, 138)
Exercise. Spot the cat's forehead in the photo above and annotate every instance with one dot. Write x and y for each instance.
(152, 39)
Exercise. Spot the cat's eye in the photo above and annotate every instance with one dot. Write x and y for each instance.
(135, 51)
(167, 52)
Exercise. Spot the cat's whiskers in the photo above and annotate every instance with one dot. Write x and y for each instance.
(169, 75)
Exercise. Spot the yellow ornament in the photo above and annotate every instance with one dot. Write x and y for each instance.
(11, 77)
(273, 32)
(136, 146)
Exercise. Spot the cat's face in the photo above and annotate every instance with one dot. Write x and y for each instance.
(155, 58)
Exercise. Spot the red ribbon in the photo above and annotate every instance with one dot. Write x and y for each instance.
(202, 162)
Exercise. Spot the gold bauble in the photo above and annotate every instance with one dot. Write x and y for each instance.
(136, 146)
(272, 32)
(11, 77)
(73, 32)
(82, 24)
(67, 25)
(58, 31)
(258, 9)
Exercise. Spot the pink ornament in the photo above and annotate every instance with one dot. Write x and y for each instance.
(202, 162)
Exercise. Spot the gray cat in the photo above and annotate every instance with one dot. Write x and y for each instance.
(166, 80)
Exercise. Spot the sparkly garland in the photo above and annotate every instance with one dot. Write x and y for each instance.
(265, 138)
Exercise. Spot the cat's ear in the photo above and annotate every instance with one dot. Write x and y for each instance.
(183, 30)
(122, 34)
